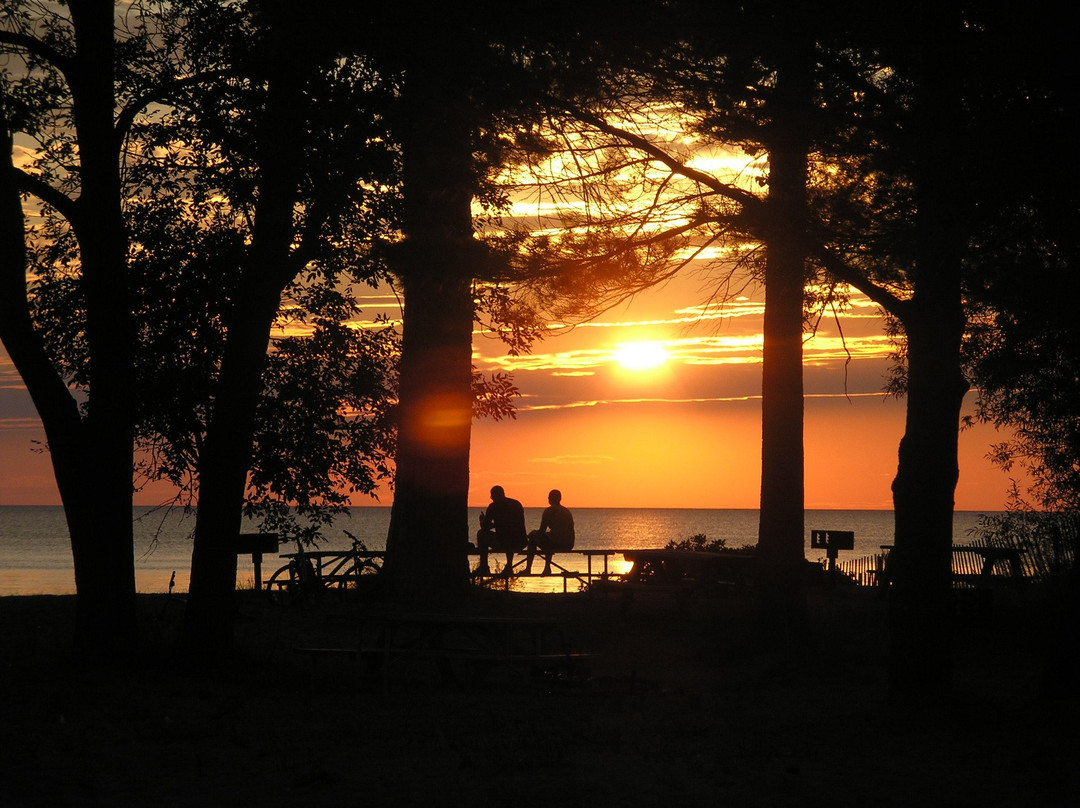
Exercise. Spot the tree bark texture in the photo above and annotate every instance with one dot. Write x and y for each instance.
(780, 534)
(429, 530)
(928, 467)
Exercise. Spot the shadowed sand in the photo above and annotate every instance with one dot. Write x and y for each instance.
(695, 706)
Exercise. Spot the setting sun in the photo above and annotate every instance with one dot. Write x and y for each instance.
(640, 355)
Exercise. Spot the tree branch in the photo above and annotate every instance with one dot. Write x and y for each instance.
(38, 48)
(158, 93)
(28, 183)
(744, 198)
(57, 407)
(846, 273)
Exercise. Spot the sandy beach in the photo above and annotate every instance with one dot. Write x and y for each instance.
(683, 705)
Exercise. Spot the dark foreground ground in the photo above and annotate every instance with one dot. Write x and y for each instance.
(684, 707)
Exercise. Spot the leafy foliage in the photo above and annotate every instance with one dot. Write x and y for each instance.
(325, 427)
(697, 542)
(1048, 540)
(1022, 352)
(493, 396)
(192, 99)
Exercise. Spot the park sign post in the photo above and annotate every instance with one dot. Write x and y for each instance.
(256, 544)
(832, 542)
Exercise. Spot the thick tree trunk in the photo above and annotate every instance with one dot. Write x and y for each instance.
(928, 468)
(103, 561)
(780, 533)
(923, 491)
(429, 530)
(429, 527)
(102, 544)
(92, 457)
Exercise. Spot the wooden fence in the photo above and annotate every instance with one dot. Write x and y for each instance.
(864, 571)
(1035, 565)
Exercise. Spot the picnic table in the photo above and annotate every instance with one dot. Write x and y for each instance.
(680, 573)
(462, 648)
(341, 568)
(697, 567)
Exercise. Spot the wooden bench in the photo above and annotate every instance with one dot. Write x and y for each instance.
(561, 572)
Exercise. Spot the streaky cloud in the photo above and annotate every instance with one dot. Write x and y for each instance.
(581, 460)
(705, 350)
(601, 402)
(20, 423)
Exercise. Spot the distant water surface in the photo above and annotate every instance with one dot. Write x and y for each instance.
(35, 555)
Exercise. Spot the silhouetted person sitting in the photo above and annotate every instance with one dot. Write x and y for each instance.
(502, 528)
(556, 533)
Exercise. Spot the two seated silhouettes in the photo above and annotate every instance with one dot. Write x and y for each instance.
(502, 529)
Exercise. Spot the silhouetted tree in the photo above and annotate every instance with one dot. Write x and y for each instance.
(741, 79)
(211, 186)
(469, 91)
(917, 239)
(57, 86)
(302, 166)
(890, 129)
(269, 266)
(915, 224)
(1023, 343)
(787, 137)
(435, 265)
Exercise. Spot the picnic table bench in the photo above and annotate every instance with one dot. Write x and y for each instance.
(518, 571)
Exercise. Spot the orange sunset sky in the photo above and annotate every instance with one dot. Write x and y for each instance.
(687, 434)
(683, 434)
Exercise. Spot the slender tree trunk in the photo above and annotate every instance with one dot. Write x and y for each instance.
(780, 534)
(223, 468)
(429, 530)
(227, 451)
(928, 467)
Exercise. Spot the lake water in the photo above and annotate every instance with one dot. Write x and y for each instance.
(35, 556)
